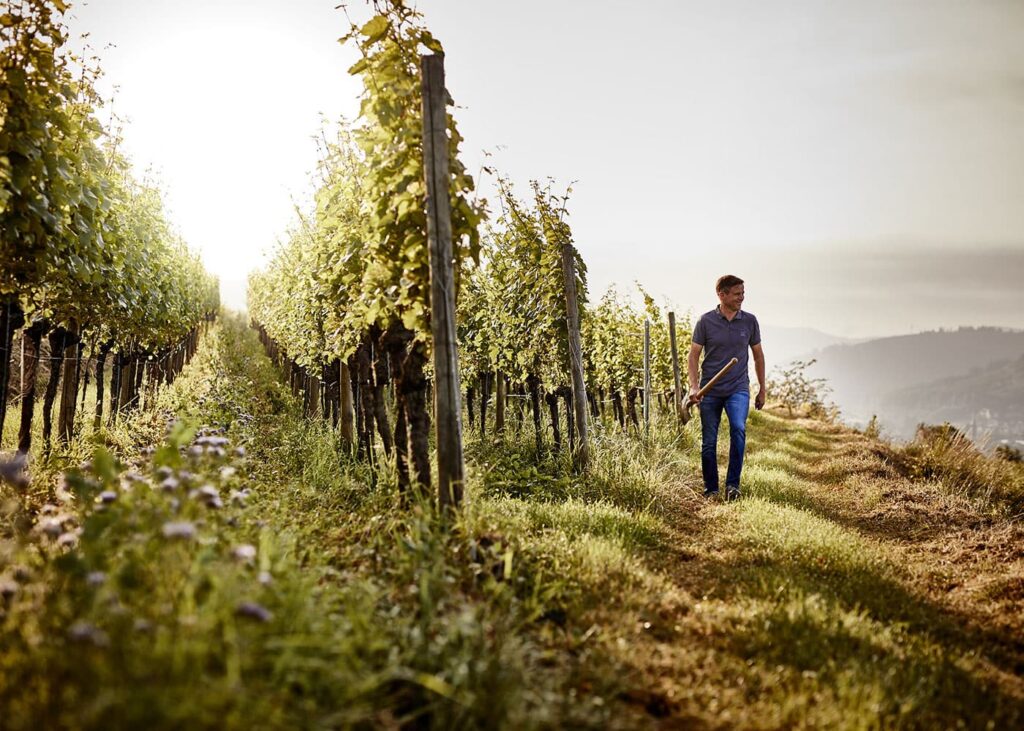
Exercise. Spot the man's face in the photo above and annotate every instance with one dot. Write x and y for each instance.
(732, 298)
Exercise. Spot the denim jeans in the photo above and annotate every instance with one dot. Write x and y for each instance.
(736, 408)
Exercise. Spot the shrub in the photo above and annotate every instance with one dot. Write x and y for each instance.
(796, 390)
(1009, 454)
(944, 453)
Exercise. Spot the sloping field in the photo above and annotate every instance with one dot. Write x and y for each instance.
(238, 570)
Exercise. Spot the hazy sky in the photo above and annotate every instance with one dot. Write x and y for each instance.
(860, 163)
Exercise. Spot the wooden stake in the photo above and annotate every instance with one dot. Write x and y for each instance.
(346, 417)
(500, 403)
(69, 394)
(677, 398)
(647, 377)
(314, 397)
(447, 406)
(579, 391)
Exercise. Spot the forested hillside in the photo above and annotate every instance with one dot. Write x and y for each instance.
(875, 377)
(988, 402)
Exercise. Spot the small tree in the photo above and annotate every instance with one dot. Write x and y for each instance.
(796, 389)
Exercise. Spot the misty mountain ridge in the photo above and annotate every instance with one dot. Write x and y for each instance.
(786, 344)
(988, 403)
(968, 376)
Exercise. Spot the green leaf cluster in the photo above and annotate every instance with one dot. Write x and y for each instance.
(613, 333)
(360, 259)
(396, 283)
(82, 242)
(512, 311)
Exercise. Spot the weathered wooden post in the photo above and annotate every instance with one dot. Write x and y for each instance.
(677, 398)
(30, 349)
(66, 414)
(314, 396)
(11, 319)
(346, 416)
(500, 402)
(647, 377)
(447, 406)
(579, 389)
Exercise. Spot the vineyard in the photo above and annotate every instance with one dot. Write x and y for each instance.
(90, 262)
(429, 479)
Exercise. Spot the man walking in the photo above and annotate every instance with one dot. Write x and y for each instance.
(725, 333)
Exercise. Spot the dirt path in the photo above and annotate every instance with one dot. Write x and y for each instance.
(834, 594)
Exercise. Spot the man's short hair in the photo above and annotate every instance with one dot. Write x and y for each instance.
(727, 282)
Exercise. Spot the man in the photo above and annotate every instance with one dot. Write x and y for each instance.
(725, 333)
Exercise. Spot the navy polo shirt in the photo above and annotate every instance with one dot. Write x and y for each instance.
(722, 341)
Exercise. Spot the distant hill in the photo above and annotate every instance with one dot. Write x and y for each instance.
(785, 344)
(880, 376)
(986, 403)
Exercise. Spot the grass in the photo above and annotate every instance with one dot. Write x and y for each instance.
(840, 592)
(942, 453)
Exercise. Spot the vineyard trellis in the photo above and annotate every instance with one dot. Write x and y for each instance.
(344, 306)
(88, 257)
(365, 251)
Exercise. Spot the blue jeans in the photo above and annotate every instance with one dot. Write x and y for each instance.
(736, 408)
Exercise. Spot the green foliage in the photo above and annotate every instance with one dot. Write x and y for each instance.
(396, 284)
(662, 378)
(513, 315)
(38, 131)
(360, 259)
(795, 389)
(614, 331)
(83, 243)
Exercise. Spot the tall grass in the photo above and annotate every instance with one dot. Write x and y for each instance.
(943, 453)
(311, 596)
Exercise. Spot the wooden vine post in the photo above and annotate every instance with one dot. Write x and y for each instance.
(345, 404)
(647, 377)
(677, 397)
(579, 389)
(66, 414)
(500, 403)
(447, 405)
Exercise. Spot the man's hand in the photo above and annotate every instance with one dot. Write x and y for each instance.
(762, 393)
(693, 362)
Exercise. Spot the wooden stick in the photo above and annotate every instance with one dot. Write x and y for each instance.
(677, 397)
(500, 402)
(447, 398)
(345, 405)
(707, 387)
(647, 377)
(579, 390)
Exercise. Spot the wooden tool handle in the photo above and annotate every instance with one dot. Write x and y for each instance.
(717, 377)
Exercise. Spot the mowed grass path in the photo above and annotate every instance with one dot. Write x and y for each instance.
(834, 594)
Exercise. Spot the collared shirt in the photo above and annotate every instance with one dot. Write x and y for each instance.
(722, 341)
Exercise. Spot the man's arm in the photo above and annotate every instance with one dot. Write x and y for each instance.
(693, 367)
(762, 391)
